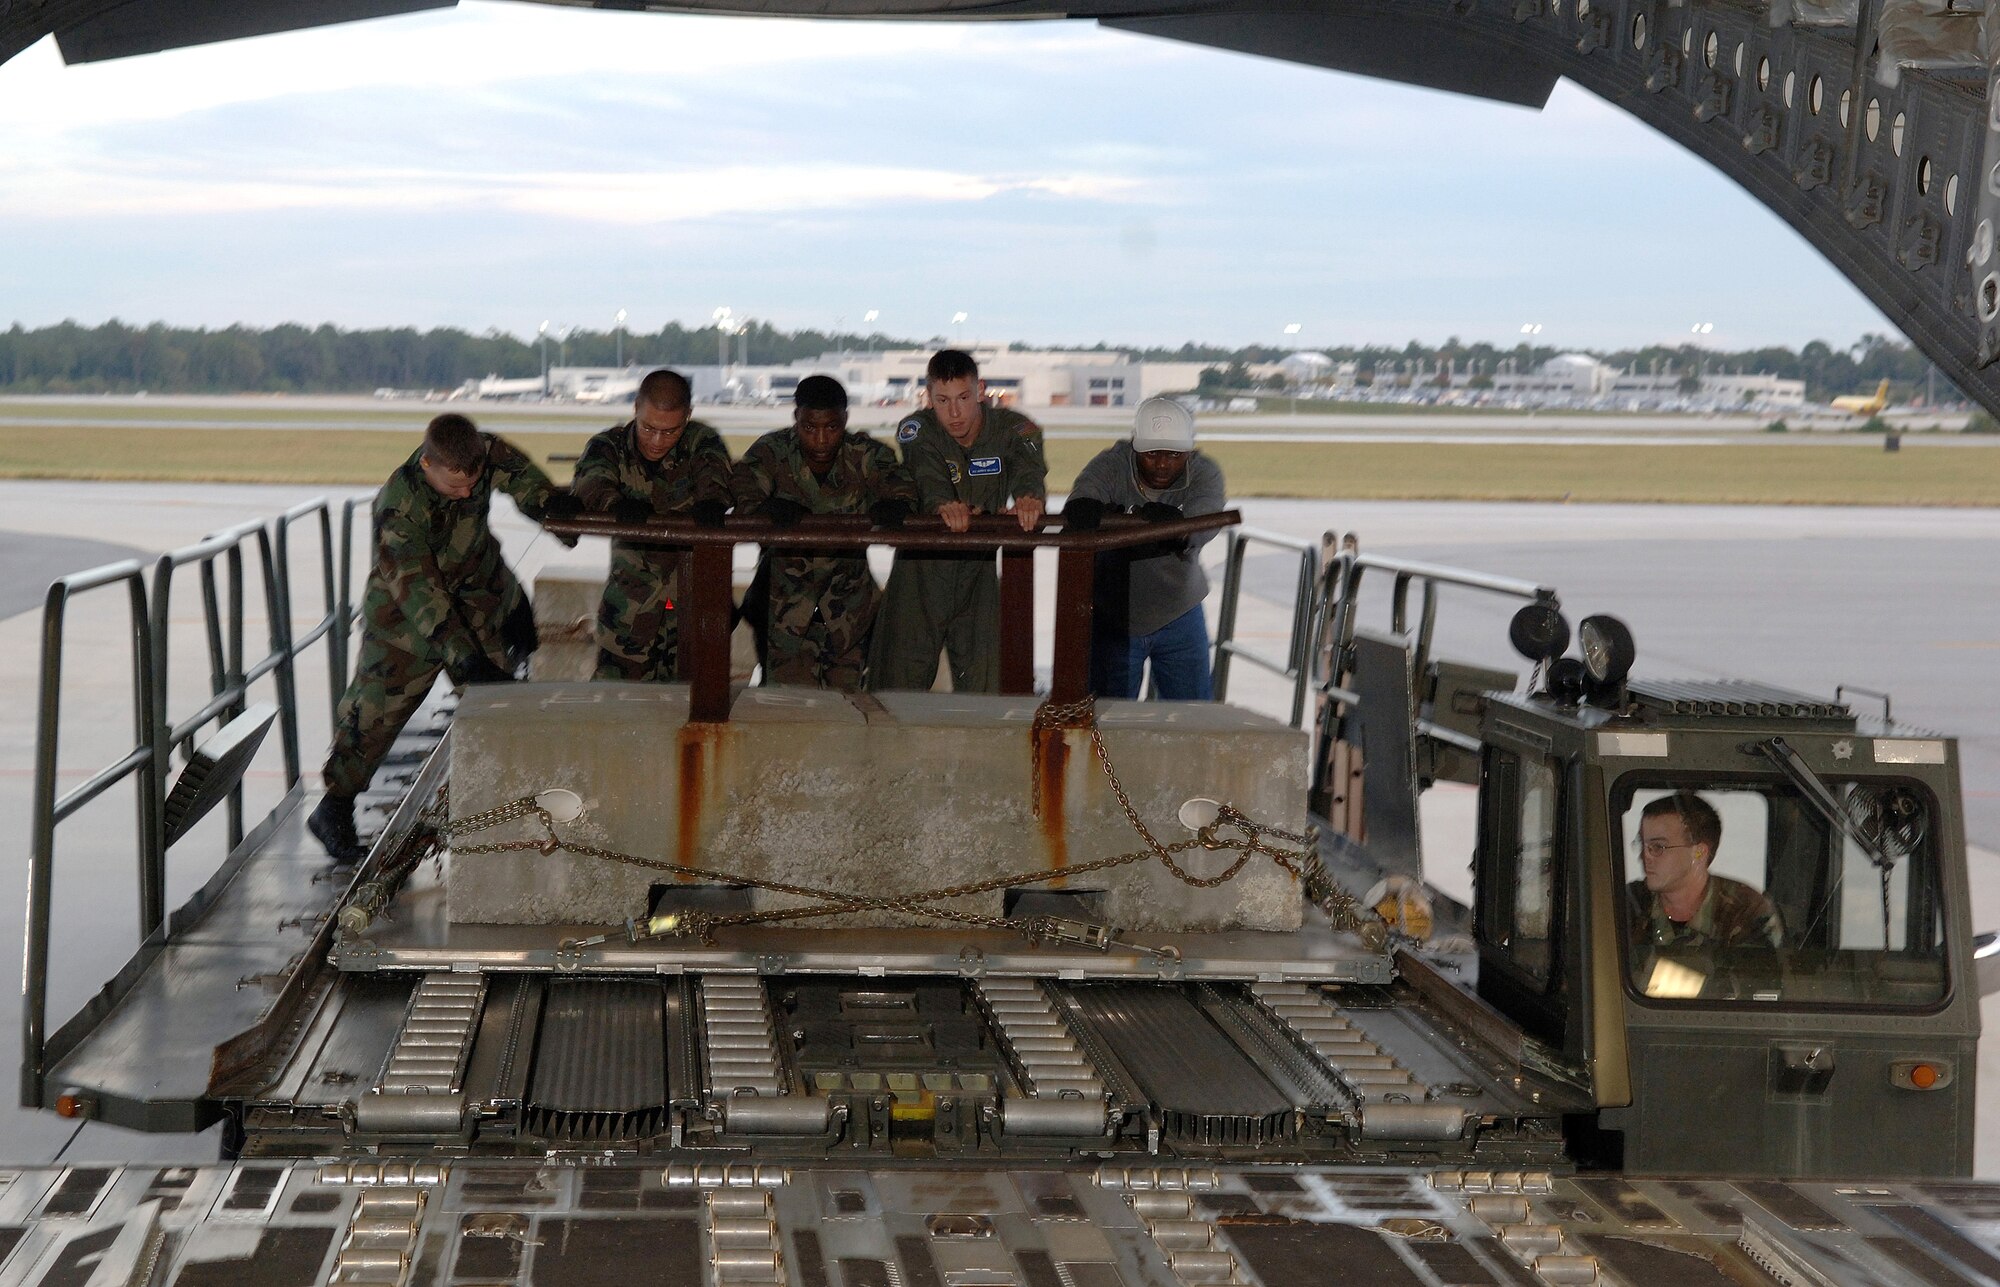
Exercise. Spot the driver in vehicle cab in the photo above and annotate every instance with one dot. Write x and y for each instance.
(1679, 903)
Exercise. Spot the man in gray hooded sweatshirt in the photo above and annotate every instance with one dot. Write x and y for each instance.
(1148, 603)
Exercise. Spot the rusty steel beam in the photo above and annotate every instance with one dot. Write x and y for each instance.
(707, 602)
(704, 634)
(1017, 621)
(1076, 584)
(854, 531)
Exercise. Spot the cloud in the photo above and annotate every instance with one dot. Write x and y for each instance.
(480, 45)
(603, 197)
(1054, 178)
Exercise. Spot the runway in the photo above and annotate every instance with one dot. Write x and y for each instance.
(29, 562)
(1358, 422)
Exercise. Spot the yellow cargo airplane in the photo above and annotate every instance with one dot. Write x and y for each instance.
(1861, 406)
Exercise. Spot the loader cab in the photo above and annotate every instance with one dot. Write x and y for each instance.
(1816, 1012)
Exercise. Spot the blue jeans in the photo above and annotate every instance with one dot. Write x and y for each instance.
(1178, 651)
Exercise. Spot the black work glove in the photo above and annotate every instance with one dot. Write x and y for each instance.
(889, 513)
(709, 513)
(518, 634)
(1083, 514)
(479, 669)
(630, 509)
(562, 504)
(782, 512)
(1160, 512)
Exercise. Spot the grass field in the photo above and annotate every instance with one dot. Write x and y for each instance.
(1757, 472)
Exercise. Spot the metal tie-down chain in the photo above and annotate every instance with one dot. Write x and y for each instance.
(1249, 839)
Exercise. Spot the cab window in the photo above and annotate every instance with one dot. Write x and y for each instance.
(1744, 891)
(1518, 907)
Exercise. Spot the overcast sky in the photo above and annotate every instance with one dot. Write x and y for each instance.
(498, 165)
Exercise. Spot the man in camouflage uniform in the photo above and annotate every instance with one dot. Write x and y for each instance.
(966, 458)
(659, 462)
(440, 598)
(822, 605)
(1679, 903)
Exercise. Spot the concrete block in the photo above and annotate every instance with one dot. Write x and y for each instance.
(911, 792)
(566, 600)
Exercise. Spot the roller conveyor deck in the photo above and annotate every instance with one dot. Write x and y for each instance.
(804, 1067)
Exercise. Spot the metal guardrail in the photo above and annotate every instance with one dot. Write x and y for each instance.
(47, 811)
(287, 680)
(156, 731)
(228, 681)
(345, 613)
(1325, 615)
(1296, 665)
(1342, 591)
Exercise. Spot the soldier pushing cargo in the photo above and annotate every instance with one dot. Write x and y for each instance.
(440, 598)
(966, 458)
(821, 605)
(661, 463)
(1148, 609)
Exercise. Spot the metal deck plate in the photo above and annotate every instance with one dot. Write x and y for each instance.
(688, 1225)
(417, 935)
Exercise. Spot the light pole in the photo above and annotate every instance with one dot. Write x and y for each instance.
(957, 320)
(542, 334)
(721, 318)
(619, 322)
(1291, 329)
(868, 320)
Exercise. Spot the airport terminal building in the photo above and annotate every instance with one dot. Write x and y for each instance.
(1027, 378)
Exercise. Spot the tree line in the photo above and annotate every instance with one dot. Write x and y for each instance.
(1828, 371)
(117, 358)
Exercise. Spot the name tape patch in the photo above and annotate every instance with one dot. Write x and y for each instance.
(983, 466)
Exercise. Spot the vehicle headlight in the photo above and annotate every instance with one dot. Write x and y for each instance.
(1539, 632)
(1608, 651)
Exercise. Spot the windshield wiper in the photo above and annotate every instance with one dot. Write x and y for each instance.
(1817, 793)
(1814, 788)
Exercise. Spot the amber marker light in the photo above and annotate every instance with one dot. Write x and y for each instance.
(1920, 1074)
(68, 1106)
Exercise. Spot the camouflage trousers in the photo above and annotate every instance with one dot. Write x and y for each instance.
(818, 624)
(814, 658)
(388, 686)
(948, 602)
(638, 632)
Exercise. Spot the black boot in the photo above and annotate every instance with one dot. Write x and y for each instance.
(332, 824)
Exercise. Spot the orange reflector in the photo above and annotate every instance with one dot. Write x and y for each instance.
(68, 1106)
(1924, 1076)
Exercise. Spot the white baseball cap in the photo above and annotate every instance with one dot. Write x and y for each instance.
(1163, 425)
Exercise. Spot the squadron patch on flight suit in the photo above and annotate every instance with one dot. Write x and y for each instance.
(951, 472)
(907, 431)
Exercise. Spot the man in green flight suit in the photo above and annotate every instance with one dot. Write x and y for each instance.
(440, 598)
(822, 605)
(966, 458)
(660, 462)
